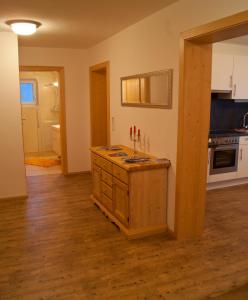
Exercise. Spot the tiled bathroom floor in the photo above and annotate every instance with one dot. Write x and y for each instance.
(36, 170)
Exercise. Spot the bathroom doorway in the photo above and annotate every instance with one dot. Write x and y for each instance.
(41, 94)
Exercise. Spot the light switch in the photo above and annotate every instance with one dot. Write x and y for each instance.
(113, 124)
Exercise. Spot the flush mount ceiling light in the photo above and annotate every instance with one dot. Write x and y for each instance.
(23, 27)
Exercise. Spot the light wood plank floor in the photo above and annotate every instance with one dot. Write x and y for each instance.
(58, 245)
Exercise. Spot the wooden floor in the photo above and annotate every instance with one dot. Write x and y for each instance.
(58, 245)
(239, 293)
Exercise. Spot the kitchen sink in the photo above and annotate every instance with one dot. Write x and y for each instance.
(242, 130)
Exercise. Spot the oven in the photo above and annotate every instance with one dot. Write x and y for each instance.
(224, 155)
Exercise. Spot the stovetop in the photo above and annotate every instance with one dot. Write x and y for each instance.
(226, 133)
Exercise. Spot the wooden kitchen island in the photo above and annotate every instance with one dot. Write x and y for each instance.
(132, 195)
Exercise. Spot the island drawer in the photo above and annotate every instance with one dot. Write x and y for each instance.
(96, 168)
(96, 159)
(107, 190)
(120, 173)
(107, 178)
(107, 202)
(105, 164)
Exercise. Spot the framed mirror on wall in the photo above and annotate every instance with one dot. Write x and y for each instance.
(152, 89)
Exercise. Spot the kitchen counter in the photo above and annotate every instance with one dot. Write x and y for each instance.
(230, 133)
(152, 163)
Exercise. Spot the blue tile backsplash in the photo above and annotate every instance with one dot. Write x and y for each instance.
(226, 114)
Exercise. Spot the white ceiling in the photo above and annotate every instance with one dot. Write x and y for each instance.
(76, 23)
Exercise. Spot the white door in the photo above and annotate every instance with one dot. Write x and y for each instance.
(222, 71)
(240, 77)
(30, 128)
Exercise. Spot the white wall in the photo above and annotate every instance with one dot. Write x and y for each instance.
(76, 94)
(229, 48)
(12, 172)
(153, 44)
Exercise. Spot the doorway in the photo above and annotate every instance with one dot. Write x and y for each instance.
(194, 112)
(99, 104)
(42, 105)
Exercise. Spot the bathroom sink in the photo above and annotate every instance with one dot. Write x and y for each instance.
(57, 126)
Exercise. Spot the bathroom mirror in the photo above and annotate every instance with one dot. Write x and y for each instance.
(148, 90)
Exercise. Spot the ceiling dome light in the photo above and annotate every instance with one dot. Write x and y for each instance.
(23, 27)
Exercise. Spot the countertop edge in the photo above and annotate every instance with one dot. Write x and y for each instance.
(135, 167)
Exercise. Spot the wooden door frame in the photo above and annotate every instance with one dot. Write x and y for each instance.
(98, 67)
(193, 119)
(62, 114)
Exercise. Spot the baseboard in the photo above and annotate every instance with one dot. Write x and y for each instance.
(78, 173)
(225, 184)
(171, 233)
(21, 197)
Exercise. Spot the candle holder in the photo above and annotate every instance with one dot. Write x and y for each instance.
(134, 138)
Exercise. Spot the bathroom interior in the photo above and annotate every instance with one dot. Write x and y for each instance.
(40, 104)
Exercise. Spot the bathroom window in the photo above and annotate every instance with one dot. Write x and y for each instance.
(28, 92)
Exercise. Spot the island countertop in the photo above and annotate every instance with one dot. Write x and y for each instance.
(152, 163)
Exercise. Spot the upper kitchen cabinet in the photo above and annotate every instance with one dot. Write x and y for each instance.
(222, 72)
(230, 74)
(240, 78)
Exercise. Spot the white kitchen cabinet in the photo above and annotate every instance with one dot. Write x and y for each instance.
(240, 77)
(222, 72)
(230, 73)
(243, 158)
(222, 177)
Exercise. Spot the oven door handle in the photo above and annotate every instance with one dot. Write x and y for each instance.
(235, 146)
